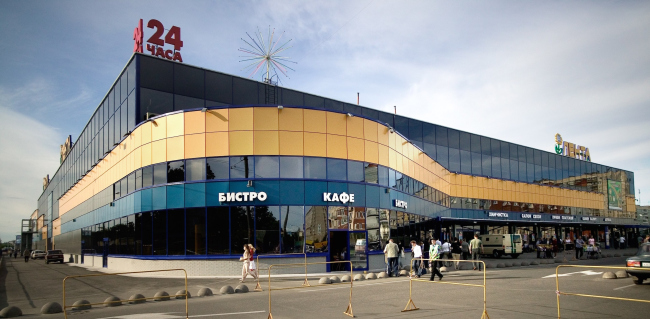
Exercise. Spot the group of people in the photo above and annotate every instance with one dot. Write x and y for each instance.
(454, 250)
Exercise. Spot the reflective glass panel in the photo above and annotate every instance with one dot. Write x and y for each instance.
(267, 167)
(241, 167)
(175, 171)
(217, 168)
(195, 169)
(267, 229)
(315, 168)
(292, 232)
(355, 171)
(336, 169)
(291, 167)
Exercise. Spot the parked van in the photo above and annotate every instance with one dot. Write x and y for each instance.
(500, 245)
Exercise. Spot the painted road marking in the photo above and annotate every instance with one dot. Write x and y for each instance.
(584, 273)
(628, 286)
(172, 315)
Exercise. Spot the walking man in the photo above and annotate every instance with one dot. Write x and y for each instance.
(446, 252)
(417, 259)
(434, 255)
(392, 253)
(579, 244)
(464, 245)
(474, 247)
(456, 251)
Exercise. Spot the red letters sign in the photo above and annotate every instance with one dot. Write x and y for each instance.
(156, 43)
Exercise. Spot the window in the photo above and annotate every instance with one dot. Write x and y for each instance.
(176, 231)
(316, 228)
(370, 172)
(130, 183)
(218, 231)
(159, 174)
(175, 172)
(159, 232)
(242, 167)
(241, 228)
(147, 176)
(338, 217)
(267, 229)
(267, 166)
(217, 168)
(138, 179)
(195, 170)
(293, 221)
(336, 169)
(315, 168)
(291, 167)
(355, 171)
(382, 175)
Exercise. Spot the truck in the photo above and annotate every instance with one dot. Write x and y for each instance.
(501, 245)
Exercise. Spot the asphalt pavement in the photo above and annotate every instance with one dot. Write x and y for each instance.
(517, 292)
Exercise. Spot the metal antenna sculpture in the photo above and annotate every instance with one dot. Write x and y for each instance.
(265, 54)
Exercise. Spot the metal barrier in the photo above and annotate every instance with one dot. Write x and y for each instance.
(258, 287)
(347, 312)
(65, 314)
(558, 292)
(410, 305)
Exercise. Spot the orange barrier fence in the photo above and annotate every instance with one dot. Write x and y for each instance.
(258, 287)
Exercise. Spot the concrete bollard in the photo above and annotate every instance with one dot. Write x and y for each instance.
(161, 296)
(324, 281)
(444, 269)
(346, 278)
(501, 265)
(403, 273)
(382, 275)
(534, 263)
(205, 292)
(11, 312)
(621, 274)
(525, 263)
(508, 264)
(359, 277)
(182, 292)
(609, 275)
(241, 289)
(51, 307)
(371, 276)
(81, 305)
(227, 290)
(335, 279)
(113, 301)
(137, 298)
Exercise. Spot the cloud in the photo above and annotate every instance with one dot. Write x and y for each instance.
(29, 152)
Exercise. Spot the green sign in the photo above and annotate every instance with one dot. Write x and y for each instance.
(614, 194)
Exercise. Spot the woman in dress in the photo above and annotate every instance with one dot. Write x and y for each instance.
(248, 267)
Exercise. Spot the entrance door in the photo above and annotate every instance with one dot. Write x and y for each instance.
(105, 253)
(338, 251)
(358, 250)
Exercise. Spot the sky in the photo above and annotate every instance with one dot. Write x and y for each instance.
(519, 71)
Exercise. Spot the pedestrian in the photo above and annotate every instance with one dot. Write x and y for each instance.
(591, 241)
(247, 258)
(476, 247)
(416, 254)
(622, 242)
(456, 251)
(579, 244)
(392, 254)
(464, 246)
(15, 254)
(401, 254)
(434, 256)
(26, 254)
(647, 239)
(555, 246)
(446, 253)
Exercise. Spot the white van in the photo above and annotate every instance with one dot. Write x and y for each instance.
(500, 245)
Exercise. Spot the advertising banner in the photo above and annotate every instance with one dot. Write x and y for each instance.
(614, 194)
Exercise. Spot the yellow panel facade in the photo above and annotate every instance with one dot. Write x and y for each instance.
(194, 122)
(383, 134)
(371, 152)
(159, 129)
(240, 119)
(194, 145)
(370, 130)
(266, 143)
(265, 118)
(356, 149)
(336, 146)
(355, 127)
(291, 143)
(291, 119)
(383, 155)
(175, 125)
(392, 158)
(216, 144)
(336, 123)
(175, 148)
(158, 152)
(240, 142)
(315, 121)
(216, 120)
(315, 144)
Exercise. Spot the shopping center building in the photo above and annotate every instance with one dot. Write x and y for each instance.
(182, 166)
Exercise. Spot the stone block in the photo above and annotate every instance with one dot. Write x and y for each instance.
(51, 307)
(113, 301)
(371, 276)
(137, 298)
(182, 292)
(335, 279)
(81, 305)
(324, 281)
(10, 312)
(241, 289)
(621, 274)
(609, 275)
(161, 296)
(226, 290)
(205, 292)
(346, 278)
(359, 277)
(382, 275)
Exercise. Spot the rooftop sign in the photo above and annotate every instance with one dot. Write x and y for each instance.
(156, 43)
(571, 150)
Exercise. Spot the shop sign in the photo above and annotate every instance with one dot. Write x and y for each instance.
(561, 217)
(571, 150)
(497, 214)
(531, 216)
(607, 219)
(589, 218)
(336, 197)
(242, 197)
(400, 203)
(156, 43)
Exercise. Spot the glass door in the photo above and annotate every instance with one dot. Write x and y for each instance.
(358, 250)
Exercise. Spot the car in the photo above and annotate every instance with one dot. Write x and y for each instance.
(37, 254)
(638, 266)
(54, 255)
